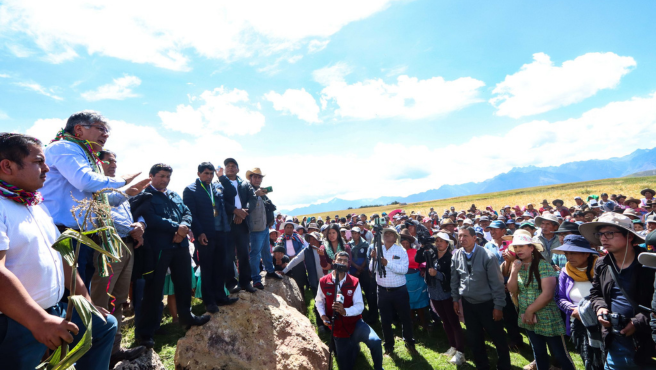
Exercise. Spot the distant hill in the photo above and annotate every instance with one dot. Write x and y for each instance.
(643, 173)
(635, 164)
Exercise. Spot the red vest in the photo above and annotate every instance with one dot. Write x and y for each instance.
(343, 326)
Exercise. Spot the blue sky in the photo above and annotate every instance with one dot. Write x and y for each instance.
(338, 99)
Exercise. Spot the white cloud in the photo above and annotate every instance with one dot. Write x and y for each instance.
(19, 50)
(148, 32)
(40, 89)
(409, 98)
(223, 111)
(389, 72)
(3, 115)
(4, 75)
(541, 86)
(297, 102)
(120, 89)
(316, 46)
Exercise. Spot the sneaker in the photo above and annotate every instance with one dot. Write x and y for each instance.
(458, 359)
(532, 366)
(451, 352)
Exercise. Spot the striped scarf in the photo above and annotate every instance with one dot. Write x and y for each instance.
(19, 195)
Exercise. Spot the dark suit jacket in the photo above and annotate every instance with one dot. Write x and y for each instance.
(200, 204)
(163, 217)
(246, 196)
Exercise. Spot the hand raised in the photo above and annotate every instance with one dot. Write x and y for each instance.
(128, 178)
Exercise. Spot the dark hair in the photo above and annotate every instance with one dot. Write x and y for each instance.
(342, 220)
(84, 118)
(340, 241)
(470, 229)
(15, 147)
(160, 167)
(205, 166)
(342, 254)
(534, 270)
(591, 259)
(105, 152)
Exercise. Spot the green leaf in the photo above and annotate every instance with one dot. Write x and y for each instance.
(64, 244)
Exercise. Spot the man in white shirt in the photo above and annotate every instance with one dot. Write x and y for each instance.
(32, 274)
(392, 291)
(348, 329)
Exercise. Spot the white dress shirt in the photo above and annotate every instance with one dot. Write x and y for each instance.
(27, 234)
(397, 267)
(355, 310)
(235, 183)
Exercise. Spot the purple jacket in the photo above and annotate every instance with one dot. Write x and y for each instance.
(565, 284)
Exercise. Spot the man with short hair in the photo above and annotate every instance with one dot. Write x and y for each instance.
(33, 275)
(348, 329)
(393, 293)
(168, 220)
(119, 284)
(548, 224)
(607, 205)
(240, 199)
(620, 283)
(210, 226)
(484, 222)
(75, 172)
(580, 204)
(477, 279)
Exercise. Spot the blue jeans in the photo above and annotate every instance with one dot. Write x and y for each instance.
(347, 349)
(558, 350)
(620, 357)
(260, 249)
(85, 264)
(19, 350)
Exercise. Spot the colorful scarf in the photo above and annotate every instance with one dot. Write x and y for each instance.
(329, 250)
(292, 237)
(18, 195)
(577, 274)
(86, 144)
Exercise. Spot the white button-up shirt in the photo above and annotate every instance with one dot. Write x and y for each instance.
(355, 310)
(27, 234)
(397, 267)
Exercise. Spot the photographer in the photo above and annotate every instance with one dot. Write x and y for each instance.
(619, 285)
(345, 307)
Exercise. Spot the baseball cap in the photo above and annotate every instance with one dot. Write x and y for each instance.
(496, 225)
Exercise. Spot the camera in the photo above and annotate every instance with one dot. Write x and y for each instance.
(617, 322)
(340, 268)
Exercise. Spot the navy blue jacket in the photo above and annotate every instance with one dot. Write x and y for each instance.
(200, 204)
(164, 215)
(246, 196)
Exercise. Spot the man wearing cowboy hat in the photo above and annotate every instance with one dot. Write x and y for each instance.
(548, 224)
(261, 218)
(560, 207)
(619, 285)
(648, 196)
(392, 290)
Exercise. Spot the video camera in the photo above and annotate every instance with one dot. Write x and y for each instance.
(340, 268)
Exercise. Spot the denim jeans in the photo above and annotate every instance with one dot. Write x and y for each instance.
(19, 350)
(620, 357)
(85, 266)
(556, 346)
(260, 249)
(347, 349)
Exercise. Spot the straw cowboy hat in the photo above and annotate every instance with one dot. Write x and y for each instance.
(546, 217)
(523, 237)
(609, 219)
(633, 200)
(405, 234)
(643, 191)
(254, 171)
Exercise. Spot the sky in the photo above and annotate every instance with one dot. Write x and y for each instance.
(337, 98)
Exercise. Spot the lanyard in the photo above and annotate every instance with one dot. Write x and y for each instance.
(210, 194)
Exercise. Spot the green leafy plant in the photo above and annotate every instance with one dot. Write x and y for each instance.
(94, 219)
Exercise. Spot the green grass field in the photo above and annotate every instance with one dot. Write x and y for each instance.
(629, 186)
(430, 346)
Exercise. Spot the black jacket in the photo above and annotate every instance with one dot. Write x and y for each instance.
(246, 197)
(165, 214)
(441, 264)
(198, 200)
(642, 292)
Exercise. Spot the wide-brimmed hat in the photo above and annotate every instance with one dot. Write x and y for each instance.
(444, 236)
(356, 230)
(298, 227)
(254, 171)
(575, 243)
(273, 231)
(651, 219)
(315, 235)
(289, 221)
(568, 227)
(557, 201)
(633, 200)
(643, 191)
(313, 226)
(545, 217)
(609, 219)
(447, 221)
(405, 234)
(630, 212)
(523, 237)
(545, 201)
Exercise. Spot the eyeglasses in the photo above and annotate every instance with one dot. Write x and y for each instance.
(607, 234)
(102, 129)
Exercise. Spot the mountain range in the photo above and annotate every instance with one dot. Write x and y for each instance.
(634, 164)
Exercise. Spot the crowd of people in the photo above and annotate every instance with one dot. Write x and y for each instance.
(584, 272)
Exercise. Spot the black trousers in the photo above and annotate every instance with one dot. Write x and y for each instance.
(212, 262)
(510, 321)
(238, 243)
(367, 284)
(390, 302)
(478, 318)
(299, 275)
(179, 261)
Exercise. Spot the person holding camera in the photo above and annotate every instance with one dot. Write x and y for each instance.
(620, 284)
(339, 302)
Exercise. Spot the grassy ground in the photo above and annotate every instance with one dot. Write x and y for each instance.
(629, 186)
(430, 346)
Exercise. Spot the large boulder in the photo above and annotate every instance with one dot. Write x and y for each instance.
(259, 332)
(148, 361)
(287, 289)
